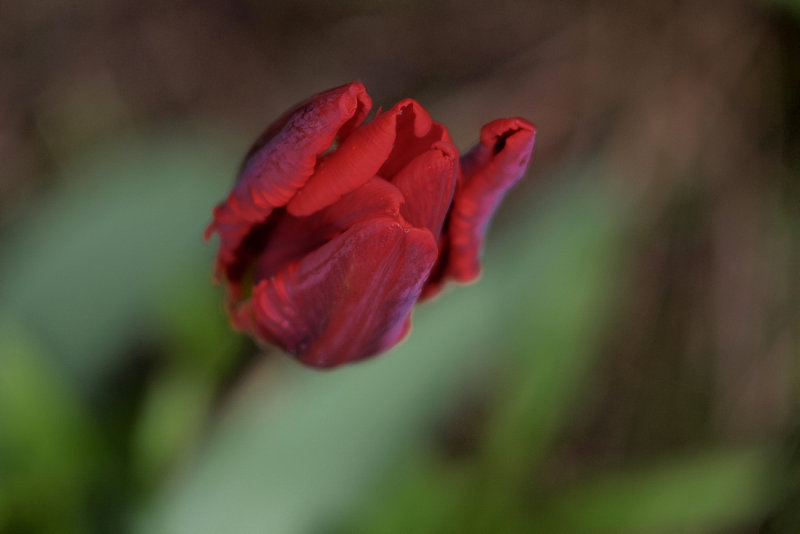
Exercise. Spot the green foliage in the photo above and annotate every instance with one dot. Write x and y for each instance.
(198, 344)
(85, 265)
(706, 492)
(46, 443)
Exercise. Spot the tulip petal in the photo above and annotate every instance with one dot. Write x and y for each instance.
(396, 334)
(364, 154)
(286, 161)
(281, 161)
(340, 302)
(293, 237)
(363, 105)
(352, 164)
(488, 172)
(428, 183)
(416, 133)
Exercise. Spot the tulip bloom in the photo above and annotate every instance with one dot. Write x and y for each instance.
(336, 227)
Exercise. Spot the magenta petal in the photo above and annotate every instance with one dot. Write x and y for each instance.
(488, 172)
(281, 162)
(428, 183)
(339, 303)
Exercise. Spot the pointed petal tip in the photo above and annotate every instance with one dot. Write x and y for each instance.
(428, 183)
(422, 119)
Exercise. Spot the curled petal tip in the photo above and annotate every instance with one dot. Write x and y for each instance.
(358, 90)
(357, 104)
(517, 134)
(489, 170)
(500, 127)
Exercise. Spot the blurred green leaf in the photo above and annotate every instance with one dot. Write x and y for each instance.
(568, 278)
(704, 493)
(127, 220)
(294, 455)
(174, 411)
(199, 347)
(46, 445)
(192, 323)
(421, 495)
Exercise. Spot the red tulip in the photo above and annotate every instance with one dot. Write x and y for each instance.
(336, 227)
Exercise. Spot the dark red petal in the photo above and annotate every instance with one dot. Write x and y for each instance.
(436, 280)
(360, 157)
(287, 158)
(282, 160)
(428, 183)
(286, 242)
(396, 334)
(352, 164)
(363, 106)
(376, 198)
(416, 133)
(488, 171)
(293, 237)
(339, 303)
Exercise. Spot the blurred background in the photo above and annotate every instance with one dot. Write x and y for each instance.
(627, 364)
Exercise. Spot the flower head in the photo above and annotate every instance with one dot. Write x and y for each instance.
(336, 227)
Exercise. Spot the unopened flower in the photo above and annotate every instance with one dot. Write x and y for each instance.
(336, 227)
